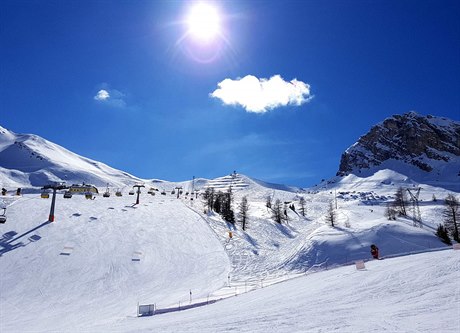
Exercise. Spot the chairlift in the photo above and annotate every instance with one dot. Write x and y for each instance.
(173, 192)
(89, 195)
(3, 216)
(150, 191)
(67, 194)
(131, 192)
(163, 192)
(45, 195)
(118, 193)
(107, 192)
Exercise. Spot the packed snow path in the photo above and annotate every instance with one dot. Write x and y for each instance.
(416, 293)
(100, 258)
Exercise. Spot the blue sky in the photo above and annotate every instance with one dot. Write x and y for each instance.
(128, 84)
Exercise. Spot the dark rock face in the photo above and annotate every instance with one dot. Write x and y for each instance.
(411, 138)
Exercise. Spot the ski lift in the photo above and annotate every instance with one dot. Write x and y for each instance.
(67, 194)
(131, 192)
(118, 193)
(150, 191)
(173, 192)
(45, 195)
(107, 192)
(3, 216)
(89, 195)
(4, 191)
(163, 192)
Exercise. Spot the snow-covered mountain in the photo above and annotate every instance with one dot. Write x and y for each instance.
(424, 148)
(27, 160)
(89, 270)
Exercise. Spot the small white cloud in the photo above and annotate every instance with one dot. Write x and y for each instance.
(102, 95)
(261, 95)
(111, 97)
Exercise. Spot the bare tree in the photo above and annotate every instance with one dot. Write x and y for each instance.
(331, 217)
(243, 211)
(390, 212)
(277, 212)
(302, 205)
(451, 215)
(268, 203)
(401, 201)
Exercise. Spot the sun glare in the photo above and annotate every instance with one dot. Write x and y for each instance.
(203, 22)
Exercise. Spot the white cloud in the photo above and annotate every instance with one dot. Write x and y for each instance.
(102, 95)
(111, 97)
(261, 95)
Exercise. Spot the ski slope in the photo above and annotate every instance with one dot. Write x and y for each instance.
(88, 270)
(99, 259)
(417, 293)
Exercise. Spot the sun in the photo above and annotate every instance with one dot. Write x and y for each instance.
(203, 22)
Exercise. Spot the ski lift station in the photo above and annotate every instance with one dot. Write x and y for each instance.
(83, 188)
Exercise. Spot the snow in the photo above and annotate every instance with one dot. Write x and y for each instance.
(417, 293)
(88, 270)
(81, 270)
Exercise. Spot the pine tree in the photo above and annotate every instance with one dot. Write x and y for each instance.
(243, 211)
(302, 205)
(451, 216)
(208, 198)
(442, 233)
(277, 212)
(223, 205)
(218, 202)
(331, 217)
(268, 203)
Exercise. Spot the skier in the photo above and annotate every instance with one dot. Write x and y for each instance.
(374, 251)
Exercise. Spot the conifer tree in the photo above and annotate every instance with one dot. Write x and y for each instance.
(268, 203)
(331, 217)
(277, 212)
(302, 205)
(442, 233)
(451, 216)
(243, 211)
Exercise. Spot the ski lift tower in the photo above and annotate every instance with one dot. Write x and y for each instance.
(138, 191)
(416, 217)
(54, 187)
(179, 190)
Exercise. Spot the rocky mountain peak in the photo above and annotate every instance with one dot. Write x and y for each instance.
(408, 142)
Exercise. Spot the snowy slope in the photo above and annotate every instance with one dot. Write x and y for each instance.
(88, 270)
(29, 160)
(418, 293)
(82, 270)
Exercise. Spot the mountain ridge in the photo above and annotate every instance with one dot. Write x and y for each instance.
(424, 148)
